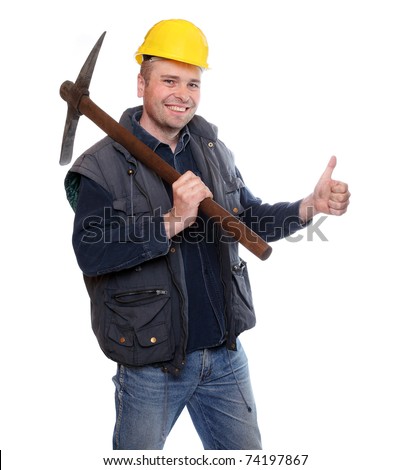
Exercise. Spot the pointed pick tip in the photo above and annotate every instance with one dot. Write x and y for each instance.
(69, 134)
(65, 159)
(86, 72)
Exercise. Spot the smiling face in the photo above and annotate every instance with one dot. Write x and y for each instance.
(171, 95)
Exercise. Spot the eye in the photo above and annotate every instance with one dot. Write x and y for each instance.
(194, 85)
(169, 81)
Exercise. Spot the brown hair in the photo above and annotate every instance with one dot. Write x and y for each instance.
(147, 67)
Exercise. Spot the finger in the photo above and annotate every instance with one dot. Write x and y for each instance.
(339, 187)
(200, 190)
(192, 191)
(186, 181)
(338, 205)
(187, 176)
(338, 211)
(327, 175)
(209, 194)
(340, 197)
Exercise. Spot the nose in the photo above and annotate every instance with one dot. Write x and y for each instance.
(182, 94)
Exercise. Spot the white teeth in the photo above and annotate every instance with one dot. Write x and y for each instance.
(177, 108)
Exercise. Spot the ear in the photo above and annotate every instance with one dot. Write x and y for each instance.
(140, 85)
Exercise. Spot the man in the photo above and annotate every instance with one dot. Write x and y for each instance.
(169, 293)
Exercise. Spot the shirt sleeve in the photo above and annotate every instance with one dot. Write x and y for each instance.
(106, 240)
(270, 221)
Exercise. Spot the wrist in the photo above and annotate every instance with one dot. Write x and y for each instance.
(172, 223)
(307, 209)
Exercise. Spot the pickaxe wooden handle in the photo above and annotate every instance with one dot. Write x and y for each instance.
(77, 97)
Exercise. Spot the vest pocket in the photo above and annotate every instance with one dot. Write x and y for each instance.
(139, 326)
(242, 301)
(137, 205)
(233, 196)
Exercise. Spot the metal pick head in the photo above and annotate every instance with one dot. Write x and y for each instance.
(86, 72)
(70, 127)
(73, 115)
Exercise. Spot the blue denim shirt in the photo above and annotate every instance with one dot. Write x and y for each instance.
(206, 321)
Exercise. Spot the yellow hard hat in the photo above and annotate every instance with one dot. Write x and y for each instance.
(177, 40)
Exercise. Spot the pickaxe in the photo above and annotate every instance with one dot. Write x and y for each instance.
(77, 97)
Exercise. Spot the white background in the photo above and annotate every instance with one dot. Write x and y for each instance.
(291, 83)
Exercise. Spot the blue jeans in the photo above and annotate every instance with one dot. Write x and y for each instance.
(214, 385)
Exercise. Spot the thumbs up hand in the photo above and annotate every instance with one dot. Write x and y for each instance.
(329, 197)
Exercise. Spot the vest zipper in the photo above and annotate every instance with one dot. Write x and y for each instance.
(182, 300)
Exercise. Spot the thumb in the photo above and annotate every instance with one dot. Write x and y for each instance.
(327, 175)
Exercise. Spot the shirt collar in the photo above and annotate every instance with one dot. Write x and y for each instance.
(152, 141)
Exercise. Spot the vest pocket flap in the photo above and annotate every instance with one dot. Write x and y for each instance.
(233, 196)
(233, 184)
(138, 205)
(152, 335)
(138, 312)
(121, 336)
